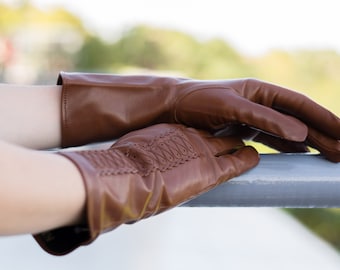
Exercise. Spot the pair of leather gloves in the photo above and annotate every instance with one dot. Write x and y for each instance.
(167, 150)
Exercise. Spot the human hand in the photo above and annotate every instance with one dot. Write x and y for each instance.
(99, 107)
(275, 116)
(147, 172)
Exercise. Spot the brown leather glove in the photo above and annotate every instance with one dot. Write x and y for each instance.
(99, 107)
(145, 173)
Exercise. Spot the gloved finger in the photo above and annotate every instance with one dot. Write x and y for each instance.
(218, 107)
(240, 161)
(268, 120)
(280, 144)
(327, 146)
(296, 104)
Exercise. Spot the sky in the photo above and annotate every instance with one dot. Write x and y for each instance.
(251, 26)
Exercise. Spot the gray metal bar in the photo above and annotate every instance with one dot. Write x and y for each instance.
(280, 180)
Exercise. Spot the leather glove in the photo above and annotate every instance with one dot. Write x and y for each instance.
(98, 107)
(145, 173)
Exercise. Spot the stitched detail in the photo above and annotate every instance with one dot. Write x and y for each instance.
(164, 152)
(109, 162)
(65, 124)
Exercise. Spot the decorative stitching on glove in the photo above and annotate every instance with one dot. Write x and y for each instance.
(109, 162)
(166, 151)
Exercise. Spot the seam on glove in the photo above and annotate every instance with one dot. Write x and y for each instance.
(163, 153)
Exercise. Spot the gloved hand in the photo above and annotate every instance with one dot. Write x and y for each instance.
(145, 173)
(99, 107)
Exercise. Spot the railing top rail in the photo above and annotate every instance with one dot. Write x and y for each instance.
(280, 180)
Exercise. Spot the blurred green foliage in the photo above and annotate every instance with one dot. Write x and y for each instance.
(324, 222)
(144, 48)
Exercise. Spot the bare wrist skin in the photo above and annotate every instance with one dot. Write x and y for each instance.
(39, 191)
(30, 115)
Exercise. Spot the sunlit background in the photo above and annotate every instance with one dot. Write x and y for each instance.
(292, 43)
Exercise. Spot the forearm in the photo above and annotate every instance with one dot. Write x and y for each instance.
(30, 115)
(39, 191)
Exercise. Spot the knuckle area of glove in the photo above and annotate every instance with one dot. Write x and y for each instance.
(211, 91)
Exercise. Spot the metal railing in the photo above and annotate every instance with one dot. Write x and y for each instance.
(280, 180)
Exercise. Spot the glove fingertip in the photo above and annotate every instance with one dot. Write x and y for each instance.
(249, 154)
(294, 130)
(238, 162)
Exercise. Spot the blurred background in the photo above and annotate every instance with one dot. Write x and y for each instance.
(291, 43)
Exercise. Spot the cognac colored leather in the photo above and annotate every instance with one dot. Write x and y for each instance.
(145, 173)
(99, 107)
